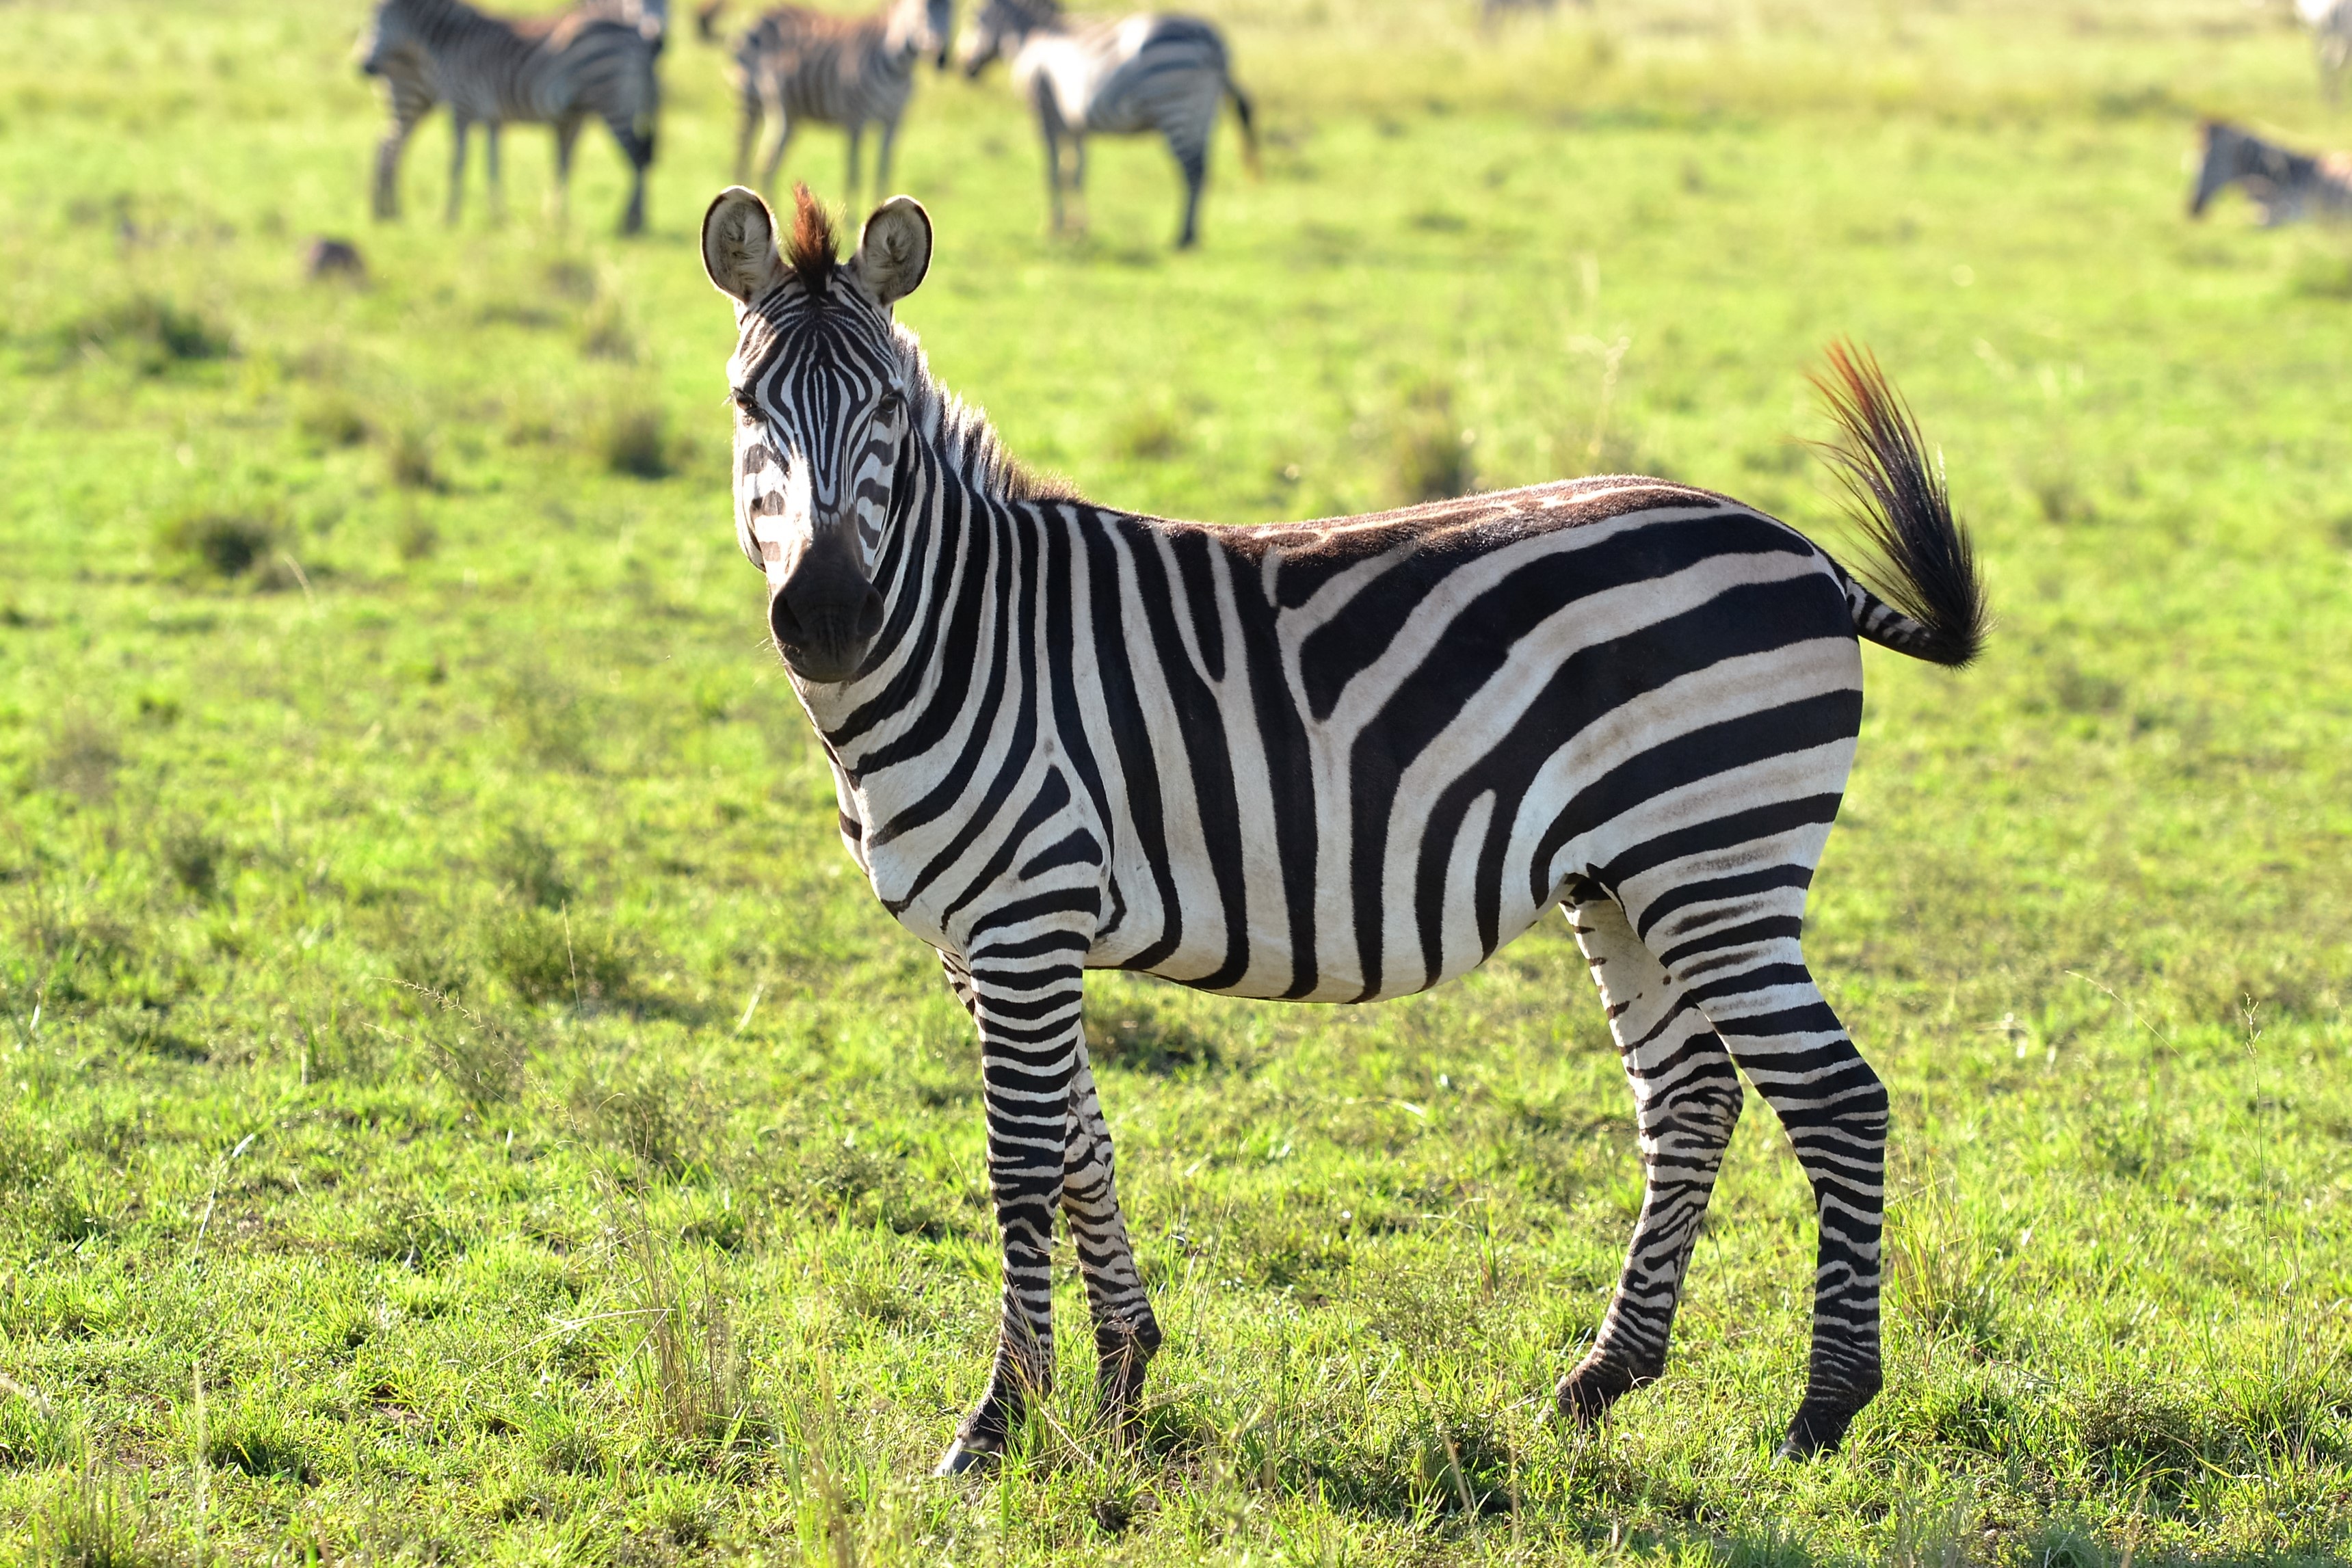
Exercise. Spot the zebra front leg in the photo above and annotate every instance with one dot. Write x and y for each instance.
(747, 133)
(1126, 1333)
(882, 159)
(1741, 960)
(1686, 1098)
(1049, 126)
(1025, 992)
(638, 145)
(567, 136)
(1194, 163)
(387, 168)
(776, 152)
(460, 125)
(490, 157)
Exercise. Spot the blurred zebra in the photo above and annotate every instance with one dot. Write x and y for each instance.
(596, 59)
(1133, 77)
(1333, 761)
(2285, 185)
(2330, 22)
(795, 65)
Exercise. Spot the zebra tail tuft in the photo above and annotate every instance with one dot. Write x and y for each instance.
(1245, 111)
(1924, 595)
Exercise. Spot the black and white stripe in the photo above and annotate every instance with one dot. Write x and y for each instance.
(1334, 761)
(596, 59)
(795, 65)
(1137, 76)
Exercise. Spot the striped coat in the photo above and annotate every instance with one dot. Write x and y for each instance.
(1139, 76)
(795, 66)
(1334, 761)
(2285, 185)
(596, 60)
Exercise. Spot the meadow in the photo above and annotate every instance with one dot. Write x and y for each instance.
(458, 1105)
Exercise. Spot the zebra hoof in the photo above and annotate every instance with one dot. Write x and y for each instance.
(1586, 1393)
(1817, 1428)
(962, 1457)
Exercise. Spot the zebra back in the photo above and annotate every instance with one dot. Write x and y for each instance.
(588, 60)
(839, 70)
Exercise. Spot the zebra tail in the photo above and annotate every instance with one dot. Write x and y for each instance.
(1919, 592)
(1246, 113)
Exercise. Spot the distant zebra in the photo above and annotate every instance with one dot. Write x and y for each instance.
(1334, 761)
(795, 65)
(2330, 22)
(2285, 185)
(596, 59)
(1127, 77)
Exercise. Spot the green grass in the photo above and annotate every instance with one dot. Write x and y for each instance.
(457, 1104)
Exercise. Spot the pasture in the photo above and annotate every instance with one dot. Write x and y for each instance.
(460, 1105)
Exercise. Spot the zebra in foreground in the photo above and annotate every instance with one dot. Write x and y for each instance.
(1334, 761)
(1128, 78)
(794, 65)
(2285, 185)
(596, 59)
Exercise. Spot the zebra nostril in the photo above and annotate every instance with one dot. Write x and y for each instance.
(869, 615)
(786, 626)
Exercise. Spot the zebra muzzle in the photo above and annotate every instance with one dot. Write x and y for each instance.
(824, 614)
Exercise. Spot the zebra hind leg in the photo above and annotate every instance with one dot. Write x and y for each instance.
(636, 144)
(1687, 1096)
(1741, 960)
(1126, 1333)
(460, 125)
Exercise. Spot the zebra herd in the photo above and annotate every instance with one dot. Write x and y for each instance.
(1335, 762)
(1141, 75)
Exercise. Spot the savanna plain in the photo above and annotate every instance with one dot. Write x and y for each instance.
(457, 1102)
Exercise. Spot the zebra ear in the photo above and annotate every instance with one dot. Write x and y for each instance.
(739, 244)
(893, 251)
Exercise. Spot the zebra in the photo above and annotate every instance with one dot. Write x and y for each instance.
(596, 59)
(1334, 761)
(1133, 77)
(2284, 184)
(2330, 22)
(794, 64)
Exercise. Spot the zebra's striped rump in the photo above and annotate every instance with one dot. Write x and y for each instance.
(1335, 761)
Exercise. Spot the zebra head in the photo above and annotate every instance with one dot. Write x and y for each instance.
(923, 27)
(385, 37)
(821, 409)
(1001, 26)
(2223, 161)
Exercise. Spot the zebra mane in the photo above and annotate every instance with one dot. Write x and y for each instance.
(811, 249)
(963, 436)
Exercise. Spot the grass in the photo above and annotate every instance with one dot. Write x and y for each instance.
(459, 1105)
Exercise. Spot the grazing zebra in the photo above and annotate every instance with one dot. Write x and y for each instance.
(1334, 761)
(596, 59)
(1128, 78)
(2330, 22)
(795, 65)
(2285, 185)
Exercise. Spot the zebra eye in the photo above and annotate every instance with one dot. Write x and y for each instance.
(890, 407)
(746, 404)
